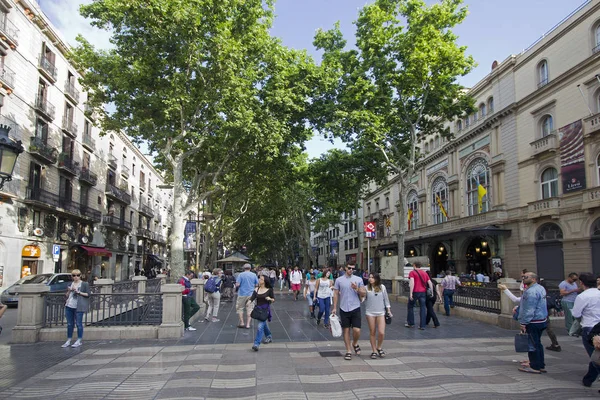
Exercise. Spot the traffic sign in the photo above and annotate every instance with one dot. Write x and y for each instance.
(55, 252)
(370, 228)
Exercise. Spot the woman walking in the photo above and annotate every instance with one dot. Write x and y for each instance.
(227, 286)
(309, 293)
(264, 296)
(323, 297)
(377, 305)
(212, 287)
(78, 302)
(430, 302)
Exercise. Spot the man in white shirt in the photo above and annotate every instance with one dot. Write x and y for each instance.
(296, 281)
(587, 307)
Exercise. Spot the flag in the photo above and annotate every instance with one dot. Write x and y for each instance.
(410, 217)
(480, 193)
(441, 205)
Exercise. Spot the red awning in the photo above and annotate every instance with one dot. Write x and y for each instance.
(97, 251)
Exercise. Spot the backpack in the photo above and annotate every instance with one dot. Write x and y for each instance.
(211, 285)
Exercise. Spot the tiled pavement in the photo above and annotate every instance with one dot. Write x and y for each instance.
(462, 359)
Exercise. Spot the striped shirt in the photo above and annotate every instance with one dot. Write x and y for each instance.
(450, 282)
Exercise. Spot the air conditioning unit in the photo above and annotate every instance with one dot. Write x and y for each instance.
(38, 232)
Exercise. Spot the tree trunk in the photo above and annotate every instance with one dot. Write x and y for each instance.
(361, 241)
(179, 218)
(402, 225)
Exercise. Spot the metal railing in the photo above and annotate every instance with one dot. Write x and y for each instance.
(66, 162)
(9, 28)
(48, 66)
(542, 83)
(45, 107)
(125, 287)
(69, 126)
(88, 176)
(43, 196)
(86, 140)
(116, 222)
(119, 194)
(117, 309)
(90, 213)
(112, 161)
(38, 146)
(7, 75)
(478, 298)
(153, 285)
(71, 91)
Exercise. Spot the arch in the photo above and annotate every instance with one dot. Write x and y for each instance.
(549, 183)
(482, 110)
(595, 228)
(412, 206)
(437, 142)
(549, 231)
(549, 252)
(546, 125)
(459, 125)
(439, 255)
(439, 196)
(542, 73)
(595, 36)
(478, 173)
(426, 147)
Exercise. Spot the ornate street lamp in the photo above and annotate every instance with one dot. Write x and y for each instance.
(9, 151)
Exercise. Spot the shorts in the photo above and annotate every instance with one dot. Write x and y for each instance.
(310, 298)
(295, 286)
(350, 319)
(240, 304)
(376, 314)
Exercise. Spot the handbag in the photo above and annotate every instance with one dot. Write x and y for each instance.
(259, 313)
(521, 343)
(335, 326)
(388, 318)
(575, 328)
(428, 292)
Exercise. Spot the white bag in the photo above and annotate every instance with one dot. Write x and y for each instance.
(336, 327)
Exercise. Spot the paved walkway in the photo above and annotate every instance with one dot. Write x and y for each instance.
(464, 358)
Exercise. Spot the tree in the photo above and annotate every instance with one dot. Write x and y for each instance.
(203, 83)
(398, 86)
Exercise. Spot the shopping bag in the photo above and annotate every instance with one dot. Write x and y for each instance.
(336, 327)
(575, 328)
(521, 343)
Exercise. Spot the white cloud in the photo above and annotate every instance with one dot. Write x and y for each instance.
(64, 15)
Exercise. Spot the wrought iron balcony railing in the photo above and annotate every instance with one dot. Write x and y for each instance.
(47, 67)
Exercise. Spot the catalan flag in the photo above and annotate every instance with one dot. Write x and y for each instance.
(481, 192)
(441, 205)
(410, 217)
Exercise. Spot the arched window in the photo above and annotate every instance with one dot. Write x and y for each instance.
(597, 39)
(598, 170)
(467, 122)
(542, 70)
(459, 124)
(412, 204)
(547, 125)
(549, 183)
(437, 142)
(439, 196)
(549, 231)
(482, 110)
(431, 145)
(490, 105)
(478, 174)
(426, 147)
(475, 116)
(387, 203)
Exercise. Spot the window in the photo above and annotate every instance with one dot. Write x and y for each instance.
(431, 144)
(426, 147)
(356, 243)
(475, 116)
(467, 122)
(387, 203)
(547, 125)
(597, 39)
(477, 174)
(549, 183)
(439, 196)
(490, 105)
(598, 169)
(412, 210)
(482, 110)
(459, 125)
(549, 231)
(542, 73)
(346, 244)
(41, 131)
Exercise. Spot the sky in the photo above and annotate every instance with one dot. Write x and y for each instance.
(492, 31)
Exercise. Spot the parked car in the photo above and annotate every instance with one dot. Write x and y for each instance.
(56, 282)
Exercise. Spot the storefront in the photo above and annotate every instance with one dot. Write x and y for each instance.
(30, 260)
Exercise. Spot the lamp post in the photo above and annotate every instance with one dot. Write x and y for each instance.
(9, 151)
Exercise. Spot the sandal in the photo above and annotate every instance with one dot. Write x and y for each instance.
(373, 356)
(357, 350)
(348, 356)
(381, 353)
(529, 370)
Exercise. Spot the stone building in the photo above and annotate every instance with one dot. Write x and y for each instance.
(92, 200)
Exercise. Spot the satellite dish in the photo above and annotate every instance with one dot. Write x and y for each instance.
(38, 231)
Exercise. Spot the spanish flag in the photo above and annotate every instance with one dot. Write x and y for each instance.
(410, 217)
(480, 193)
(441, 205)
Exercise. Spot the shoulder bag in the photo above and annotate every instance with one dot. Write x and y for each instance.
(429, 292)
(259, 313)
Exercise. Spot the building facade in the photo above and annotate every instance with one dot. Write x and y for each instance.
(77, 199)
(518, 184)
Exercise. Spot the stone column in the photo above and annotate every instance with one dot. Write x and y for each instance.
(172, 324)
(505, 319)
(30, 316)
(163, 278)
(105, 285)
(198, 288)
(141, 280)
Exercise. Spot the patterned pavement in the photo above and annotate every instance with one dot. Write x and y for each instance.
(463, 357)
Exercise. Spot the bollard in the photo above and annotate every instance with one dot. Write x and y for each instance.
(172, 325)
(141, 280)
(30, 317)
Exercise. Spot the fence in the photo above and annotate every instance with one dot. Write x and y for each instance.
(125, 287)
(116, 309)
(153, 285)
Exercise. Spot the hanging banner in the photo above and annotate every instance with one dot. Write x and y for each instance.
(572, 163)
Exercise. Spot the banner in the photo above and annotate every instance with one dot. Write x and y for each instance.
(572, 165)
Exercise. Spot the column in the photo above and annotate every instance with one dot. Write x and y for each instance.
(172, 323)
(141, 280)
(163, 278)
(30, 316)
(198, 288)
(105, 285)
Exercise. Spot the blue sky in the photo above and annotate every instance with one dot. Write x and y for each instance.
(492, 31)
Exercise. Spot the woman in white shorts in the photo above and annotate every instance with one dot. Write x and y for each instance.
(377, 304)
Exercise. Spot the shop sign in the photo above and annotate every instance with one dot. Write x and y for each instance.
(31, 250)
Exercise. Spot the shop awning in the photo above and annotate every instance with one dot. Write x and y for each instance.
(97, 251)
(389, 246)
(155, 259)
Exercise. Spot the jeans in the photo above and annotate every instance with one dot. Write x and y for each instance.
(567, 306)
(431, 313)
(448, 300)
(593, 371)
(190, 307)
(410, 319)
(536, 357)
(74, 317)
(263, 329)
(324, 308)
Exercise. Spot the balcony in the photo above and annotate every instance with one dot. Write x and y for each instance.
(150, 190)
(69, 205)
(131, 247)
(544, 208)
(125, 172)
(47, 68)
(88, 142)
(69, 127)
(592, 125)
(116, 223)
(146, 210)
(71, 93)
(142, 185)
(591, 199)
(42, 197)
(88, 177)
(67, 164)
(112, 161)
(40, 149)
(89, 112)
(9, 32)
(145, 233)
(43, 106)
(547, 144)
(117, 194)
(7, 79)
(90, 213)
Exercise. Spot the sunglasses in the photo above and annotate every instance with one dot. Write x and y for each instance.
(76, 275)
(349, 267)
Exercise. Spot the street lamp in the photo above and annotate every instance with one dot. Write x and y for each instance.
(9, 151)
(484, 243)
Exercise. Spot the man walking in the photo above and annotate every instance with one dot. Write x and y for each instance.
(449, 284)
(296, 280)
(245, 282)
(349, 290)
(587, 307)
(569, 290)
(533, 314)
(418, 283)
(190, 306)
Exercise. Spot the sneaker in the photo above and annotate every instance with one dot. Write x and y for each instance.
(319, 321)
(215, 320)
(553, 348)
(190, 328)
(67, 344)
(408, 326)
(77, 343)
(268, 340)
(255, 348)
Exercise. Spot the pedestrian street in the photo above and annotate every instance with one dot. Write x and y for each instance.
(462, 357)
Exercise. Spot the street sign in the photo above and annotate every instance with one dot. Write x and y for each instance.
(55, 252)
(370, 228)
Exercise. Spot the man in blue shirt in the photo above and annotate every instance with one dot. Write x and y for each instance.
(245, 282)
(533, 314)
(569, 289)
(349, 290)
